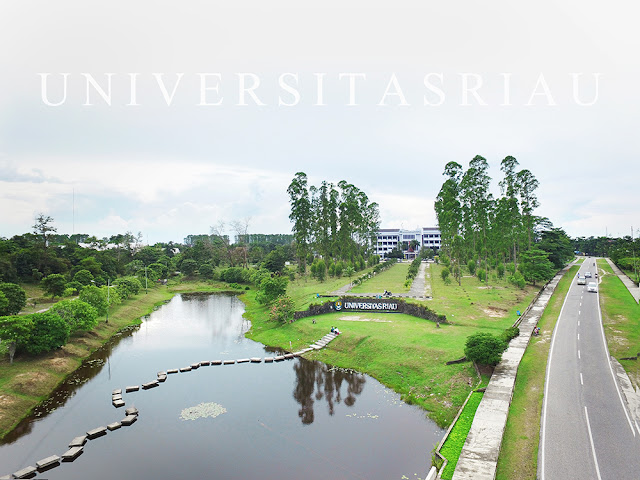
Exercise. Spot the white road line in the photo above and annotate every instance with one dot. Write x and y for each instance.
(578, 322)
(578, 312)
(593, 448)
(637, 426)
(578, 336)
(578, 353)
(581, 380)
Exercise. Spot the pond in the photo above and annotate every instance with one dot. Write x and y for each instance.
(285, 420)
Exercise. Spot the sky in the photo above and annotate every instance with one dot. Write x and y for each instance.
(168, 118)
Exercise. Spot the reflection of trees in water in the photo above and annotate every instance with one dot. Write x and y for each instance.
(326, 381)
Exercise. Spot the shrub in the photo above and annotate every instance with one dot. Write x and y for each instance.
(484, 348)
(282, 310)
(16, 296)
(77, 314)
(500, 269)
(518, 280)
(207, 271)
(96, 297)
(510, 333)
(75, 286)
(83, 277)
(444, 273)
(234, 275)
(271, 288)
(482, 274)
(471, 265)
(235, 286)
(54, 284)
(48, 332)
(128, 286)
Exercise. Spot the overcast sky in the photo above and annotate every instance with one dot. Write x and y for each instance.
(212, 107)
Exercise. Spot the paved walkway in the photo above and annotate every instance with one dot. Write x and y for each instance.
(634, 290)
(479, 457)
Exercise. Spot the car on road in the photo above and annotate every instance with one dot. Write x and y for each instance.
(582, 281)
(587, 274)
(592, 287)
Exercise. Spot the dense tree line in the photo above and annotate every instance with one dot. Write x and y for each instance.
(336, 223)
(481, 232)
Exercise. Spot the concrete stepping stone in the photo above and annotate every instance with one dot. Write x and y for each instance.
(151, 384)
(131, 411)
(71, 454)
(185, 369)
(195, 365)
(116, 397)
(5, 477)
(205, 363)
(160, 374)
(162, 378)
(288, 356)
(268, 359)
(256, 360)
(114, 426)
(279, 358)
(118, 403)
(243, 360)
(96, 432)
(228, 362)
(78, 441)
(47, 462)
(216, 362)
(117, 391)
(25, 472)
(128, 420)
(173, 370)
(132, 388)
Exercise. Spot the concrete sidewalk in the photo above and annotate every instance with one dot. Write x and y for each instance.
(479, 457)
(634, 290)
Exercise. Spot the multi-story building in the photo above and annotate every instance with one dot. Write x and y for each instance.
(389, 239)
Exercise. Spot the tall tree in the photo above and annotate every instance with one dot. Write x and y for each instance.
(301, 217)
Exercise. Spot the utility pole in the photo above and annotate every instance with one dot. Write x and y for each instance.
(108, 299)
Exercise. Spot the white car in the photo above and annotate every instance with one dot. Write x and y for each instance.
(592, 287)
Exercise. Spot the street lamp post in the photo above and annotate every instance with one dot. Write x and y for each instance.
(146, 283)
(108, 299)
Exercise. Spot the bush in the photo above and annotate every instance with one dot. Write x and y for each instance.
(444, 273)
(96, 297)
(83, 277)
(518, 280)
(471, 265)
(234, 275)
(48, 332)
(54, 284)
(510, 333)
(271, 288)
(207, 271)
(75, 286)
(500, 269)
(482, 274)
(77, 314)
(128, 286)
(484, 349)
(16, 296)
(282, 310)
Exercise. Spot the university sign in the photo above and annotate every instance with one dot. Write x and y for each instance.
(366, 305)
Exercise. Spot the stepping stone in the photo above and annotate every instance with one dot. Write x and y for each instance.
(25, 472)
(297, 354)
(316, 347)
(5, 477)
(152, 384)
(216, 362)
(118, 403)
(243, 360)
(78, 441)
(117, 391)
(228, 362)
(114, 426)
(288, 356)
(256, 360)
(161, 374)
(128, 420)
(185, 369)
(268, 359)
(116, 397)
(279, 358)
(47, 462)
(131, 411)
(71, 454)
(195, 365)
(173, 370)
(162, 378)
(133, 388)
(96, 432)
(205, 363)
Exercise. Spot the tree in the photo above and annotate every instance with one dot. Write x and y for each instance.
(77, 314)
(4, 302)
(536, 266)
(15, 330)
(16, 296)
(54, 284)
(128, 286)
(271, 288)
(49, 332)
(484, 349)
(83, 276)
(96, 297)
(283, 310)
(301, 217)
(207, 271)
(558, 245)
(275, 260)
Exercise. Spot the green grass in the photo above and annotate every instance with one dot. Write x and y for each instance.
(620, 315)
(391, 279)
(458, 435)
(405, 353)
(518, 458)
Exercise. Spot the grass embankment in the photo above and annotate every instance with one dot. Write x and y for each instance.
(518, 458)
(620, 314)
(392, 279)
(405, 353)
(31, 379)
(458, 435)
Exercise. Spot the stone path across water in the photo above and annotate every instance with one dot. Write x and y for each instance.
(131, 414)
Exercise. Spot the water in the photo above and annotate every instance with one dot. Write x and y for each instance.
(291, 419)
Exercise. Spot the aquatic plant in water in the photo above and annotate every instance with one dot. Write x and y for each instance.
(202, 410)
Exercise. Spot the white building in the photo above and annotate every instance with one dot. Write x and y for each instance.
(395, 238)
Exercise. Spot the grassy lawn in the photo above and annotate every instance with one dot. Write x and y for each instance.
(405, 353)
(620, 315)
(519, 451)
(391, 279)
(31, 379)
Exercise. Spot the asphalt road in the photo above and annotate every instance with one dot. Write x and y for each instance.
(586, 430)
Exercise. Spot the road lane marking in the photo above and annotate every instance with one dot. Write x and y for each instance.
(593, 448)
(578, 353)
(581, 381)
(578, 322)
(578, 336)
(637, 425)
(608, 359)
(578, 312)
